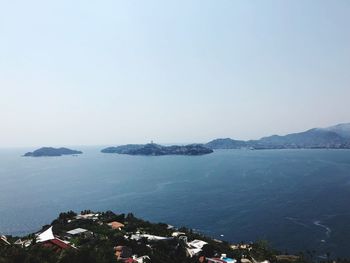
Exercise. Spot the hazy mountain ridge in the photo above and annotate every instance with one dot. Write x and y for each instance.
(334, 137)
(342, 129)
(226, 143)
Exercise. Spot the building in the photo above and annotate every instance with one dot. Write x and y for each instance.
(90, 216)
(3, 241)
(177, 234)
(149, 237)
(194, 247)
(116, 225)
(23, 243)
(79, 232)
(142, 259)
(222, 259)
(123, 253)
(47, 239)
(57, 244)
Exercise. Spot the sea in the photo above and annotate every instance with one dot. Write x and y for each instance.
(298, 200)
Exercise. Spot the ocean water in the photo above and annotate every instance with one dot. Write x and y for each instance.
(297, 199)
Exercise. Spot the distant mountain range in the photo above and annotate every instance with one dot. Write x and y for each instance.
(334, 137)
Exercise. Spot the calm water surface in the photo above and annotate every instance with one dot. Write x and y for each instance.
(296, 199)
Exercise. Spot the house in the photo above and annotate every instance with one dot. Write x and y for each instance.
(222, 259)
(90, 216)
(79, 232)
(47, 239)
(177, 233)
(142, 259)
(193, 247)
(149, 237)
(197, 243)
(23, 243)
(3, 241)
(116, 225)
(44, 236)
(57, 244)
(215, 260)
(241, 246)
(123, 253)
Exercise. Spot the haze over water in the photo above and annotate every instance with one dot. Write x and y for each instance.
(296, 199)
(93, 73)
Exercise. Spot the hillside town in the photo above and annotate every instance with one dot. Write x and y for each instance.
(108, 237)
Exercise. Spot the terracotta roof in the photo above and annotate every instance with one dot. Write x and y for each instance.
(115, 225)
(60, 243)
(118, 248)
(125, 252)
(57, 243)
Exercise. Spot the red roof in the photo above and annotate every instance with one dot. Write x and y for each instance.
(115, 225)
(56, 243)
(129, 260)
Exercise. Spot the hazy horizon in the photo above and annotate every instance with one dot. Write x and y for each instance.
(145, 142)
(117, 72)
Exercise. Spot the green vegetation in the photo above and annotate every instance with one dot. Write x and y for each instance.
(156, 149)
(98, 246)
(50, 151)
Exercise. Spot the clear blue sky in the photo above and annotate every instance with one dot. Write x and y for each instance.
(114, 72)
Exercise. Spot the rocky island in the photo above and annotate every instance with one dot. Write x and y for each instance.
(50, 151)
(156, 149)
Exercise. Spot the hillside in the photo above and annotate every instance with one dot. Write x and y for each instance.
(156, 149)
(50, 151)
(335, 137)
(226, 143)
(341, 129)
(107, 237)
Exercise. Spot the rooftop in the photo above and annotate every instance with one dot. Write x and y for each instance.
(46, 235)
(77, 231)
(115, 225)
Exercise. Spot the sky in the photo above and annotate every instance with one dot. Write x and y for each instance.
(116, 72)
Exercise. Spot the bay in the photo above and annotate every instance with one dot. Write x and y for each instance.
(298, 200)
